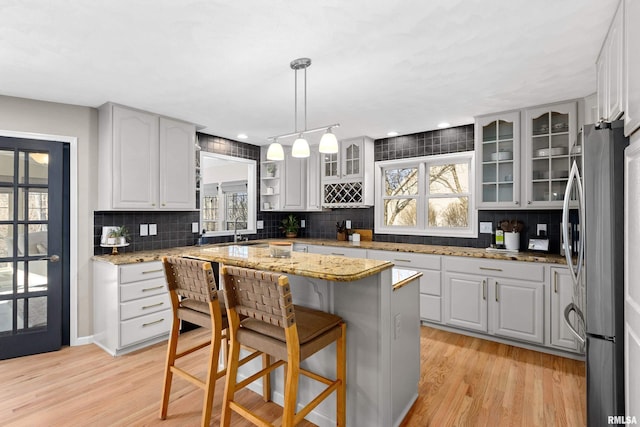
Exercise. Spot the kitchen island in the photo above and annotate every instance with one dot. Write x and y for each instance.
(381, 309)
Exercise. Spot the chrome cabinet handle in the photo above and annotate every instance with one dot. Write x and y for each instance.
(152, 271)
(496, 291)
(152, 289)
(555, 282)
(337, 254)
(490, 269)
(144, 325)
(144, 307)
(484, 289)
(402, 260)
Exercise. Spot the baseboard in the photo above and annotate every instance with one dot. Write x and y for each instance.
(405, 411)
(82, 341)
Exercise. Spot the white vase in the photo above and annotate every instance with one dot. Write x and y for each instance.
(512, 241)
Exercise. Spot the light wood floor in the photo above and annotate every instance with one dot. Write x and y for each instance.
(464, 382)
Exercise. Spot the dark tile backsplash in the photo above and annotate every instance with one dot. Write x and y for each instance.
(174, 228)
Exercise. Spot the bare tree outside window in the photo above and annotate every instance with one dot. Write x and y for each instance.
(400, 210)
(448, 195)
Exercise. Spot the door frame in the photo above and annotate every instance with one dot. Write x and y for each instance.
(73, 224)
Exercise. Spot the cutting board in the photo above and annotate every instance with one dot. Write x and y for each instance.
(365, 235)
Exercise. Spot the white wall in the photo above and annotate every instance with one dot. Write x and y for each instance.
(25, 115)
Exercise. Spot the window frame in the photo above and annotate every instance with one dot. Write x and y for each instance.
(422, 227)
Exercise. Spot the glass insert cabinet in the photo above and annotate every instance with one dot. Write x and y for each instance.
(525, 165)
(498, 160)
(551, 137)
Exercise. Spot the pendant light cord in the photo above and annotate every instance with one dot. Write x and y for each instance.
(305, 99)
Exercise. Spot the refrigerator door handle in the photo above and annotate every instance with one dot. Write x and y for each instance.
(575, 269)
(567, 311)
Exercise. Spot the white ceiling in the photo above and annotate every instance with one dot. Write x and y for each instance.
(378, 65)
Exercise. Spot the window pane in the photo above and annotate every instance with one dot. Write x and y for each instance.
(449, 212)
(38, 204)
(449, 178)
(6, 166)
(401, 182)
(400, 212)
(237, 211)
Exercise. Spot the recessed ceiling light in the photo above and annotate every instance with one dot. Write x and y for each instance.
(443, 125)
(392, 133)
(242, 136)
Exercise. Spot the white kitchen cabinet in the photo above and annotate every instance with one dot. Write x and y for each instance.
(609, 67)
(131, 306)
(501, 298)
(337, 251)
(177, 165)
(550, 135)
(561, 296)
(465, 301)
(498, 160)
(430, 281)
(294, 185)
(147, 162)
(517, 309)
(631, 66)
(347, 176)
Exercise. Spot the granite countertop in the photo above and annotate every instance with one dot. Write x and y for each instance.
(156, 255)
(325, 267)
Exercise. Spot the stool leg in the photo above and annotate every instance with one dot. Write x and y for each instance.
(291, 392)
(341, 369)
(266, 380)
(212, 371)
(230, 382)
(171, 360)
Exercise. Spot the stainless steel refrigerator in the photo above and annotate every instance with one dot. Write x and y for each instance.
(596, 315)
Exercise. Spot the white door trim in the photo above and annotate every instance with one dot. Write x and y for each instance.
(73, 222)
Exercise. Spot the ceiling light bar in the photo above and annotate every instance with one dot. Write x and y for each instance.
(304, 132)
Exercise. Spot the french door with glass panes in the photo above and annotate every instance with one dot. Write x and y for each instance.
(31, 246)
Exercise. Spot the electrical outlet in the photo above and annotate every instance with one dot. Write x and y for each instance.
(303, 223)
(195, 227)
(144, 230)
(153, 229)
(260, 224)
(396, 321)
(348, 224)
(486, 227)
(540, 228)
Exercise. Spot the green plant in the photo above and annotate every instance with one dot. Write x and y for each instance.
(121, 231)
(290, 224)
(271, 168)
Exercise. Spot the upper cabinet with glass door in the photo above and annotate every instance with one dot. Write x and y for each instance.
(498, 160)
(347, 163)
(550, 136)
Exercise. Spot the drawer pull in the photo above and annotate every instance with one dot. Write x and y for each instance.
(155, 288)
(490, 269)
(152, 271)
(496, 289)
(337, 254)
(402, 260)
(484, 289)
(555, 282)
(144, 307)
(144, 325)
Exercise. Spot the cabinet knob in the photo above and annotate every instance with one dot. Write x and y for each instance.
(516, 202)
(153, 204)
(529, 202)
(164, 204)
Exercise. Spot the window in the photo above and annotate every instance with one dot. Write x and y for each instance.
(426, 196)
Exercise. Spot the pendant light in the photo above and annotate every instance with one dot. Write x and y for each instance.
(300, 148)
(328, 143)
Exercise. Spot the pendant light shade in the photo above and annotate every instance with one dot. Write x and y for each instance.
(328, 143)
(275, 151)
(300, 147)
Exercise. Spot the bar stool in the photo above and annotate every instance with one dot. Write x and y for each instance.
(193, 281)
(262, 316)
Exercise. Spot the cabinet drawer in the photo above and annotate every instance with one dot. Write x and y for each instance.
(407, 259)
(430, 308)
(486, 267)
(145, 327)
(143, 289)
(143, 306)
(430, 282)
(143, 271)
